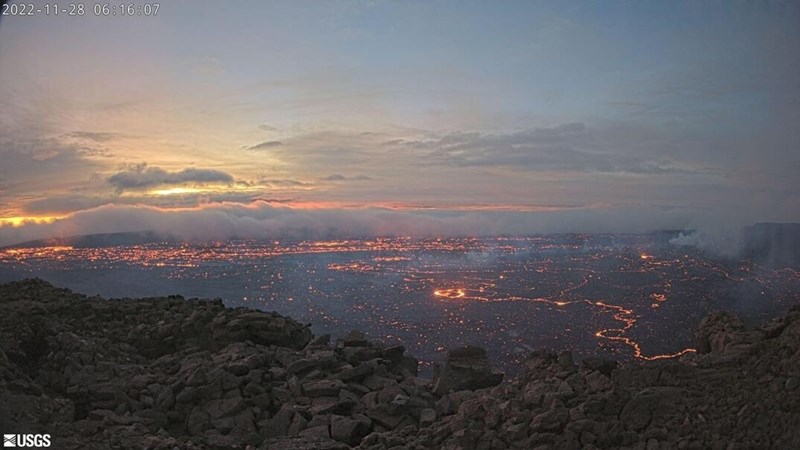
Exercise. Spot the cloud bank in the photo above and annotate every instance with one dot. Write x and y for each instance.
(262, 220)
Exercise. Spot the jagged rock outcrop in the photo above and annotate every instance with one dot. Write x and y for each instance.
(170, 372)
(466, 368)
(717, 332)
(192, 374)
(741, 391)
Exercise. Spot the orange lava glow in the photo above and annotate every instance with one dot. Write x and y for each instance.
(628, 319)
(353, 267)
(575, 287)
(390, 258)
(659, 297)
(57, 248)
(452, 293)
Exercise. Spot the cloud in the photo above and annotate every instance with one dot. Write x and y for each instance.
(566, 147)
(262, 220)
(265, 127)
(340, 177)
(58, 205)
(95, 136)
(266, 145)
(284, 183)
(322, 150)
(141, 176)
(32, 165)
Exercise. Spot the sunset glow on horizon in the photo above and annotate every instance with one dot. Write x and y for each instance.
(358, 105)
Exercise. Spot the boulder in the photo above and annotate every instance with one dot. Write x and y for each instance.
(353, 339)
(323, 388)
(466, 368)
(602, 365)
(427, 416)
(350, 430)
(261, 328)
(717, 332)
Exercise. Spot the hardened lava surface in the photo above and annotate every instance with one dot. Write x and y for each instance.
(621, 296)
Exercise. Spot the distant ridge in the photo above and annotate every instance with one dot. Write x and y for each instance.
(94, 240)
(144, 237)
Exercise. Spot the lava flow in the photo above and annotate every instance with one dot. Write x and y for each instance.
(509, 294)
(627, 317)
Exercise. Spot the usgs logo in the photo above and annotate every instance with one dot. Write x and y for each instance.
(26, 440)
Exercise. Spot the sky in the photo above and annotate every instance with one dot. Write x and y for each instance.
(259, 119)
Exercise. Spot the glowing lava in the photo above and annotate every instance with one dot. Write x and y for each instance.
(450, 293)
(551, 272)
(627, 317)
(352, 267)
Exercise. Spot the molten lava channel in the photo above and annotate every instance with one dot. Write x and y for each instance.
(628, 319)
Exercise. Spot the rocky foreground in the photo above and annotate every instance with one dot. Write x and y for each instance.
(174, 373)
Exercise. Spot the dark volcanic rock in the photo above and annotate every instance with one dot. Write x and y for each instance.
(604, 366)
(167, 373)
(465, 368)
(742, 392)
(717, 331)
(170, 372)
(303, 443)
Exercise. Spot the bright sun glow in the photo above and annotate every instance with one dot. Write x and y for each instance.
(208, 189)
(178, 191)
(25, 220)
